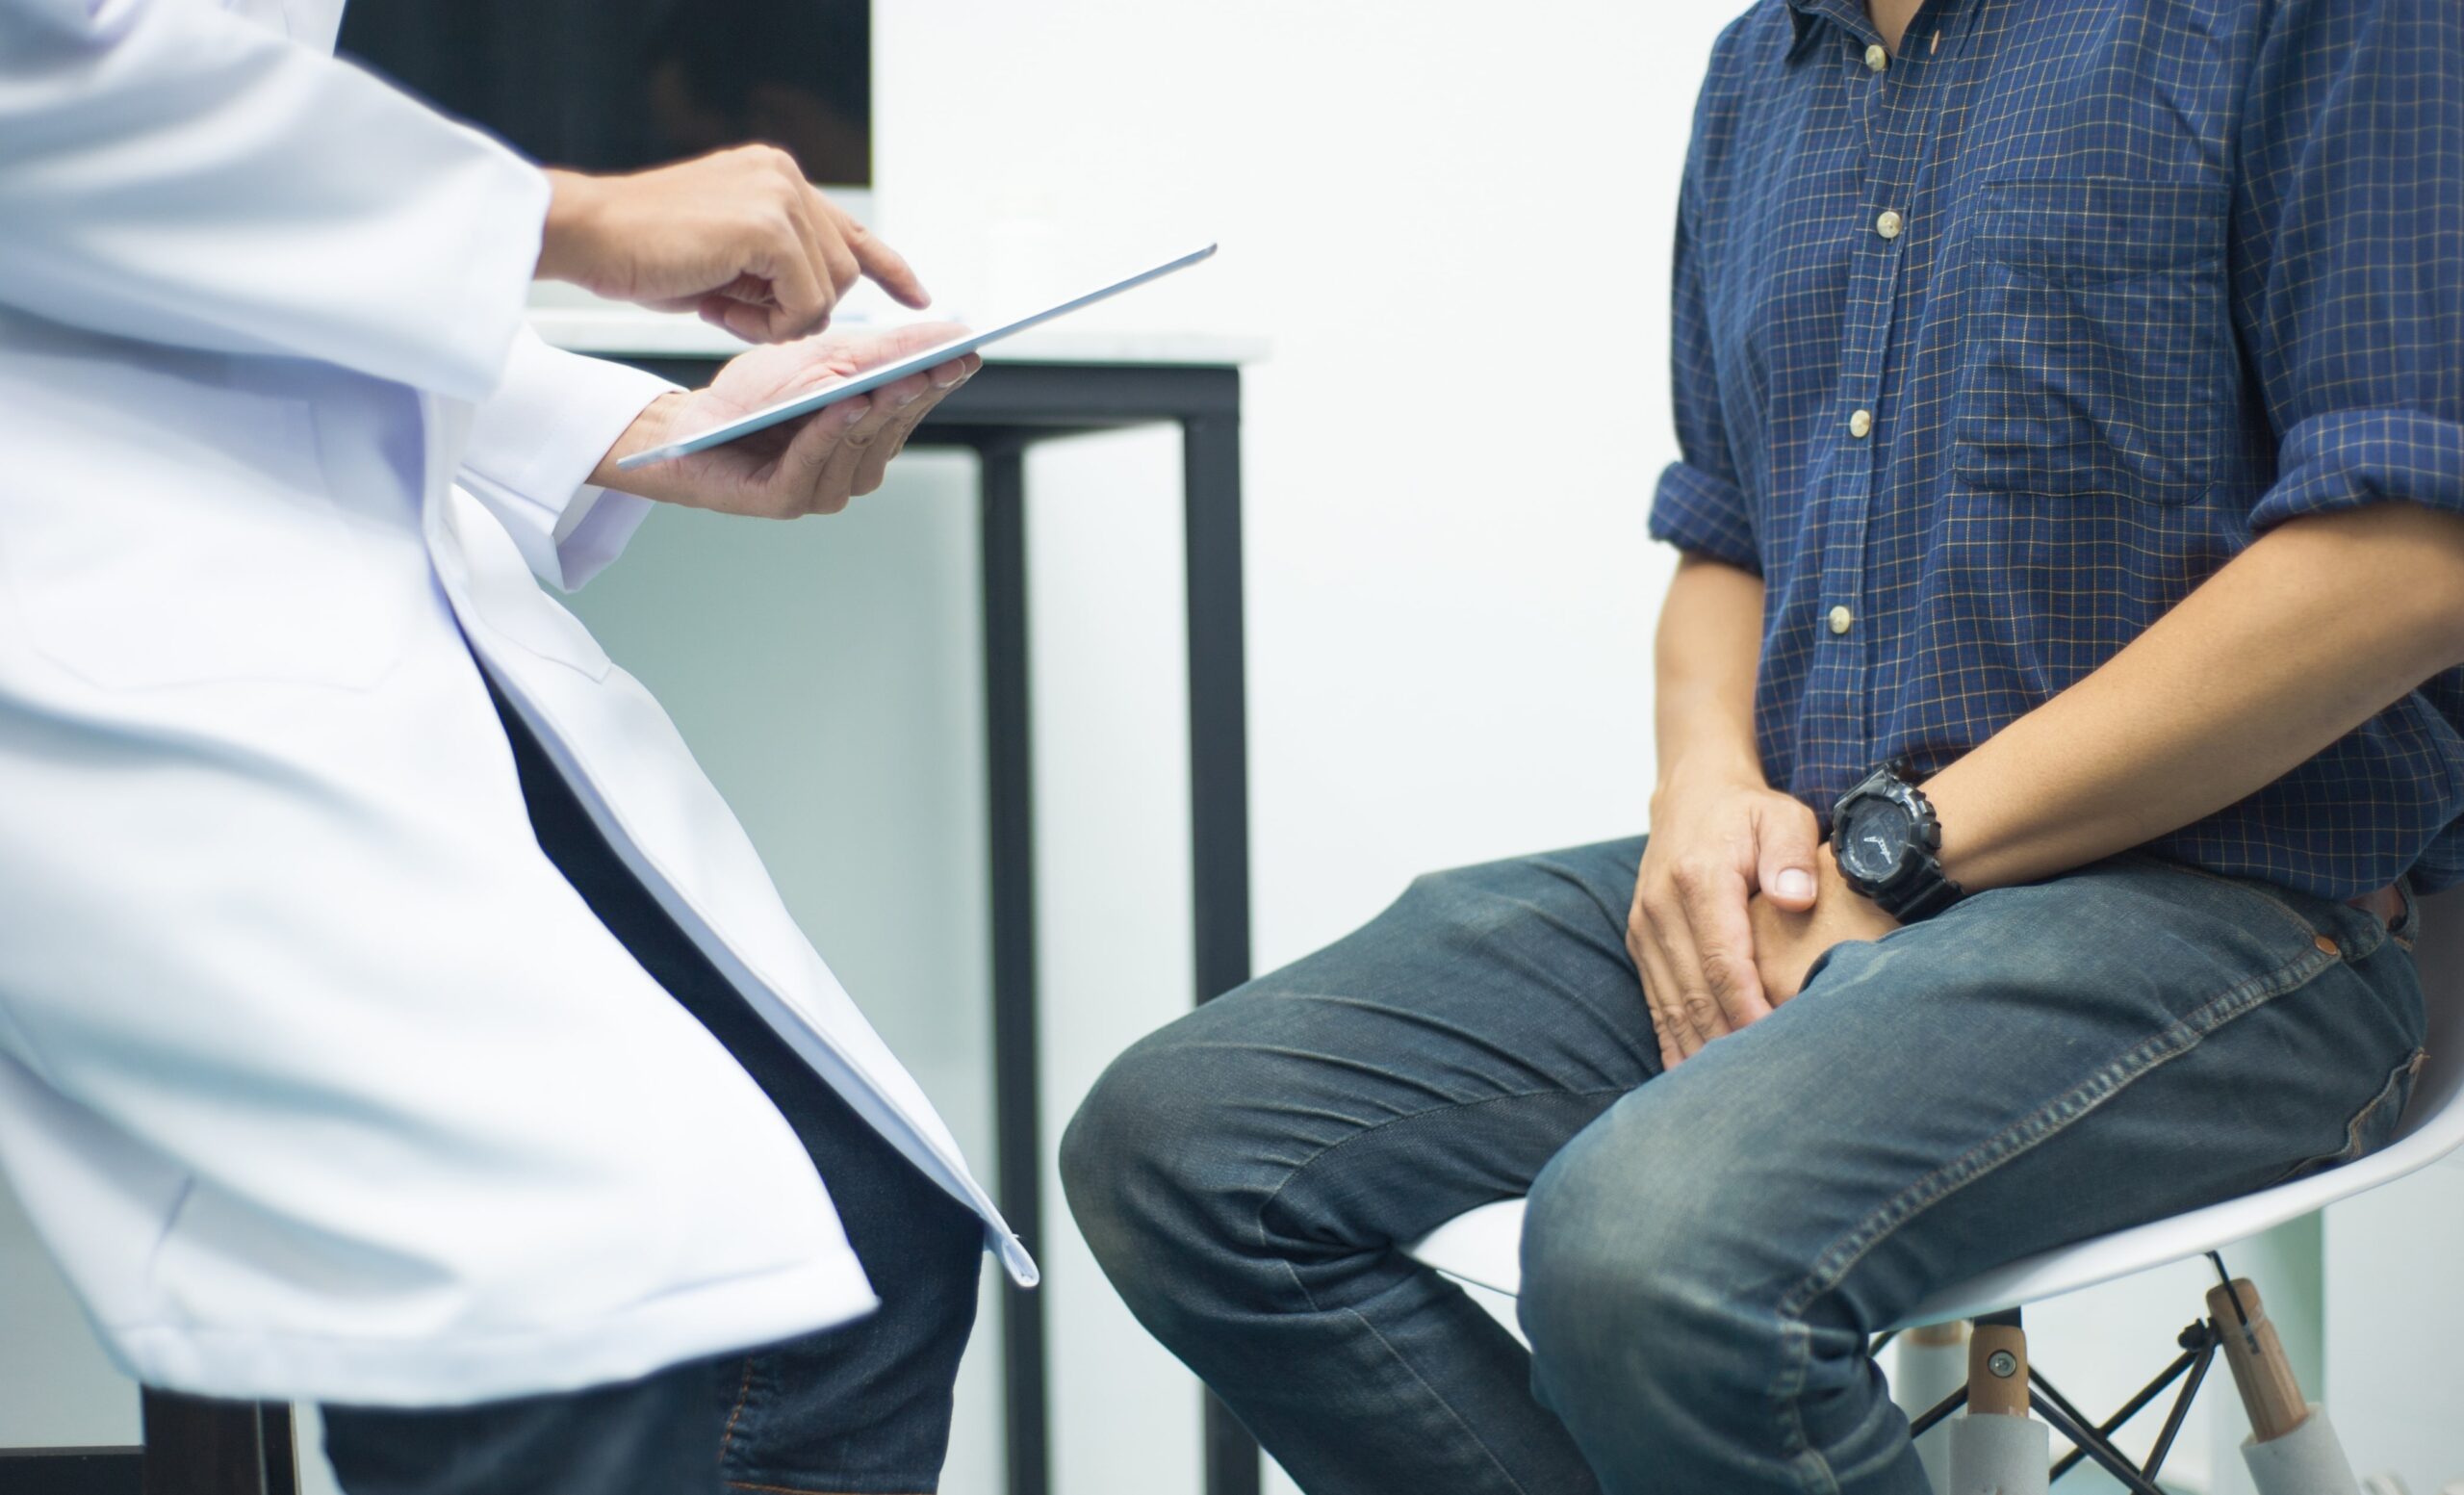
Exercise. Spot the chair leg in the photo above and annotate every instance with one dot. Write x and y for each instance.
(1996, 1448)
(1930, 1364)
(2293, 1449)
(198, 1446)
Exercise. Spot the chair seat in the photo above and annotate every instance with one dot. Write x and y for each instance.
(1484, 1246)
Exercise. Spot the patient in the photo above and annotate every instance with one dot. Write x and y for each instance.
(2056, 706)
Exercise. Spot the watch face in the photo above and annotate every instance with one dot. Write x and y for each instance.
(1877, 841)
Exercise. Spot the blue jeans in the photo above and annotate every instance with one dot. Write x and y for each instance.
(1708, 1249)
(863, 1407)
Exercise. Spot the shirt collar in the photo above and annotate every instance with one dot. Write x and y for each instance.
(1808, 14)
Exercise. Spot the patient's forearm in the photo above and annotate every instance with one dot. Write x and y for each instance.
(2315, 629)
(1710, 633)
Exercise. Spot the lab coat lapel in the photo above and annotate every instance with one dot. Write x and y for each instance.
(648, 796)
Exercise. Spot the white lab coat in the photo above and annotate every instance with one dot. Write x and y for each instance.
(315, 1077)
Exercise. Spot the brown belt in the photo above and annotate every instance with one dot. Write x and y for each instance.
(2387, 903)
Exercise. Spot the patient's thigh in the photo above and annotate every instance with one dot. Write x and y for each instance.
(2032, 1067)
(1431, 1061)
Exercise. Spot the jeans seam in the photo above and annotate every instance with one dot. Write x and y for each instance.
(1435, 1394)
(1258, 1224)
(743, 1394)
(2179, 1038)
(823, 1489)
(2398, 1079)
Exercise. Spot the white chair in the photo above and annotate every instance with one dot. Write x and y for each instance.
(1483, 1246)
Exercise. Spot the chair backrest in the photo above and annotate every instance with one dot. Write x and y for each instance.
(1484, 1246)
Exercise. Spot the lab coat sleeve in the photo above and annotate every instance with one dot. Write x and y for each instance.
(531, 449)
(177, 175)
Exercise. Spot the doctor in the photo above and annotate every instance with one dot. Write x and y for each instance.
(391, 1013)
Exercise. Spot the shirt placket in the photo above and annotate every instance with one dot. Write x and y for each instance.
(1894, 116)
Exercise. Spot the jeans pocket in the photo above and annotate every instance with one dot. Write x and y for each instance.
(2098, 355)
(2373, 1126)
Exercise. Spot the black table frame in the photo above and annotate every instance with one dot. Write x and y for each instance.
(999, 414)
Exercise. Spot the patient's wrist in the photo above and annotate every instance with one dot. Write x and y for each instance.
(1698, 765)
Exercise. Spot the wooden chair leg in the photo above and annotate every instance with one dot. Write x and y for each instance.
(1997, 1445)
(2269, 1392)
(2293, 1448)
(1998, 1370)
(197, 1446)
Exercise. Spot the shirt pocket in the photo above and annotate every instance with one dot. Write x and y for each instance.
(2098, 352)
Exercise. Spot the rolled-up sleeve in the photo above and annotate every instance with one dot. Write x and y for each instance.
(1700, 507)
(2350, 254)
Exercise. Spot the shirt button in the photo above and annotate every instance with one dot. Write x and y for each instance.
(1841, 620)
(1876, 57)
(1889, 225)
(1861, 423)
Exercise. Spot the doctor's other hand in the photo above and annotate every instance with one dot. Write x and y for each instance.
(1720, 840)
(738, 236)
(809, 466)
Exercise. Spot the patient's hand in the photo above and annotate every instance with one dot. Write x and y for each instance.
(1719, 836)
(1787, 943)
(812, 465)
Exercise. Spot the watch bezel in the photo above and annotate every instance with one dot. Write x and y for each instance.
(1916, 887)
(1858, 835)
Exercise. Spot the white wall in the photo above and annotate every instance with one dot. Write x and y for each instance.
(1449, 586)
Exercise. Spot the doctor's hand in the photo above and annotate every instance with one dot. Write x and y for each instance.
(1721, 841)
(738, 236)
(812, 465)
(1787, 940)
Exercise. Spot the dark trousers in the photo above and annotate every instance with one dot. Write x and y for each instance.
(863, 1407)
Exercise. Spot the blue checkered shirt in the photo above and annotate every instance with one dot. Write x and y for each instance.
(1988, 354)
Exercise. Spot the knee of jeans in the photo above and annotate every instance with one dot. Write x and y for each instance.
(1133, 1156)
(1466, 903)
(1639, 1263)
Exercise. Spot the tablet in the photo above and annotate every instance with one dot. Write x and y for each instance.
(889, 372)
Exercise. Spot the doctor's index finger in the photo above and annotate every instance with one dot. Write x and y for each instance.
(883, 264)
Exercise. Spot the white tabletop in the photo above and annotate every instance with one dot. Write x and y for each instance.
(630, 332)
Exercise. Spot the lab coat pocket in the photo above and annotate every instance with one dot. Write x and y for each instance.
(190, 524)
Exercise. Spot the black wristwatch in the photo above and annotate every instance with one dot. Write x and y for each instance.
(1887, 840)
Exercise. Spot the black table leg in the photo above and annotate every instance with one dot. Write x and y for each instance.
(1219, 790)
(1016, 1092)
(197, 1446)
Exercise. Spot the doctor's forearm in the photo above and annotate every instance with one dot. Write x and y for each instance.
(2318, 626)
